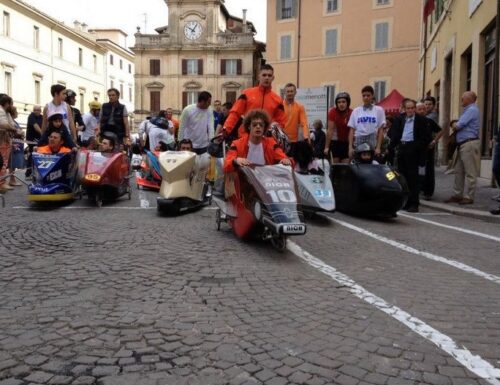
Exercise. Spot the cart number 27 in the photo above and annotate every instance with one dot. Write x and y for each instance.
(282, 196)
(45, 163)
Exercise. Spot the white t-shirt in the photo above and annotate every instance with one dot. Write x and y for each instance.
(366, 121)
(90, 122)
(60, 109)
(157, 135)
(197, 125)
(256, 154)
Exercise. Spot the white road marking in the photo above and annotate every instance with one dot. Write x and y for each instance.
(90, 207)
(456, 228)
(409, 249)
(143, 199)
(474, 363)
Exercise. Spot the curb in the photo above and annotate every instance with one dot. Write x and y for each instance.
(471, 213)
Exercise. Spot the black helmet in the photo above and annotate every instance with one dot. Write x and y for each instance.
(343, 95)
(215, 148)
(362, 149)
(69, 94)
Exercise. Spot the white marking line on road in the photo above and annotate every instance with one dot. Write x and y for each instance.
(144, 201)
(432, 214)
(94, 208)
(409, 249)
(456, 228)
(474, 363)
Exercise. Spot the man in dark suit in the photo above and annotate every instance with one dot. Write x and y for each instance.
(411, 136)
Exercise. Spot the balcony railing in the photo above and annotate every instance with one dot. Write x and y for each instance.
(235, 39)
(151, 41)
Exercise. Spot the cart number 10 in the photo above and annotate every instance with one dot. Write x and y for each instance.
(282, 196)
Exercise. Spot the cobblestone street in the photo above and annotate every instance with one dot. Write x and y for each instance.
(120, 295)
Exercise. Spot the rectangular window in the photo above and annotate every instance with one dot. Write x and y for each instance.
(189, 97)
(80, 57)
(286, 9)
(154, 67)
(121, 90)
(6, 24)
(286, 47)
(231, 67)
(192, 67)
(381, 35)
(121, 64)
(130, 94)
(37, 92)
(332, 6)
(94, 58)
(60, 47)
(155, 101)
(230, 96)
(111, 84)
(36, 37)
(331, 42)
(111, 59)
(380, 89)
(130, 68)
(8, 83)
(383, 2)
(82, 102)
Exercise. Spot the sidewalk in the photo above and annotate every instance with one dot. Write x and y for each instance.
(482, 201)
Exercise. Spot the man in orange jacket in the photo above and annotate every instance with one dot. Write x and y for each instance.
(253, 147)
(260, 97)
(56, 144)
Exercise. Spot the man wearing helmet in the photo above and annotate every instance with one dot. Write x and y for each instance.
(90, 122)
(337, 135)
(77, 115)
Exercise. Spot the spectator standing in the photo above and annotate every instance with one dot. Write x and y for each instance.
(318, 138)
(412, 136)
(7, 130)
(467, 164)
(59, 106)
(77, 115)
(17, 152)
(337, 136)
(296, 127)
(366, 123)
(496, 170)
(175, 122)
(197, 123)
(90, 124)
(33, 134)
(114, 117)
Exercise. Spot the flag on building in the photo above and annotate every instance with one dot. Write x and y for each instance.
(428, 8)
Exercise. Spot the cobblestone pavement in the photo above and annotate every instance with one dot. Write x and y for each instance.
(119, 296)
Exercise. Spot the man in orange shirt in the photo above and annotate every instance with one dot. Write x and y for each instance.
(260, 97)
(296, 127)
(56, 144)
(174, 121)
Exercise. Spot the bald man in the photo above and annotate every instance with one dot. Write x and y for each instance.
(467, 166)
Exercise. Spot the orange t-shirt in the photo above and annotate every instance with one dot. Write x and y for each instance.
(295, 115)
(48, 150)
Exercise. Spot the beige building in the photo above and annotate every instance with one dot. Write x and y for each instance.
(458, 54)
(345, 44)
(202, 48)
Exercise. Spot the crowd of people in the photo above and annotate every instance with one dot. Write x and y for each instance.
(407, 140)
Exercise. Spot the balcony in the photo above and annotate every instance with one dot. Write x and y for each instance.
(235, 39)
(151, 41)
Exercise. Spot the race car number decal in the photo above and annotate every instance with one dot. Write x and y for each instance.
(390, 175)
(45, 163)
(285, 196)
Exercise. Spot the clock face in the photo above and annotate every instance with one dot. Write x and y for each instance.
(192, 30)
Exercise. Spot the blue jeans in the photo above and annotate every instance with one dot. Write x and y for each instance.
(496, 164)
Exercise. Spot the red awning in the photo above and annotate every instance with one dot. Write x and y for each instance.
(391, 103)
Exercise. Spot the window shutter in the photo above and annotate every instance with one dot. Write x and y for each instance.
(278, 9)
(231, 96)
(294, 8)
(223, 66)
(239, 65)
(155, 101)
(184, 99)
(200, 66)
(184, 67)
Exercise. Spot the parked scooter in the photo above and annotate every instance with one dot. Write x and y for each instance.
(184, 187)
(261, 201)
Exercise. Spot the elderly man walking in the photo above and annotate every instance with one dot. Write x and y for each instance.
(467, 165)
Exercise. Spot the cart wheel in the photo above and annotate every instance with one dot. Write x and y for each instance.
(98, 200)
(218, 219)
(279, 242)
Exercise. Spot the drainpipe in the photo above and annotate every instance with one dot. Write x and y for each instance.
(424, 64)
(496, 90)
(298, 42)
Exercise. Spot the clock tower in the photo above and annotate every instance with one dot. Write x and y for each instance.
(203, 48)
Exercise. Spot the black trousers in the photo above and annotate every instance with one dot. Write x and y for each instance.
(409, 155)
(428, 181)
